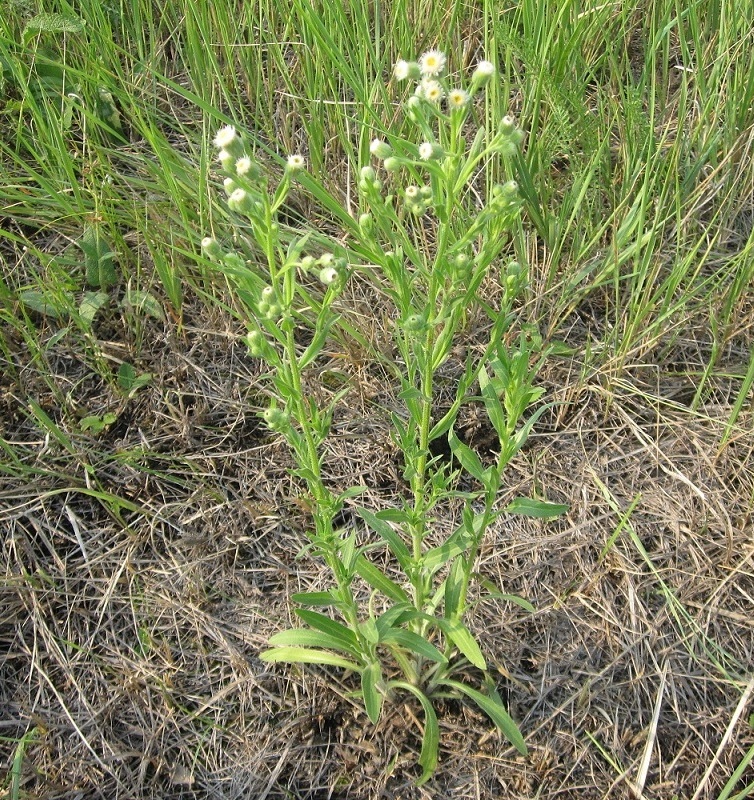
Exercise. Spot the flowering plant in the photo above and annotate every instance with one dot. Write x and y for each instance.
(432, 249)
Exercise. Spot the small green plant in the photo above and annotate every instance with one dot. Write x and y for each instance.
(429, 246)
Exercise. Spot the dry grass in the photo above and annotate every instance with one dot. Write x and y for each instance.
(130, 631)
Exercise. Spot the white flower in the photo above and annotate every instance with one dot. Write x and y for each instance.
(406, 69)
(401, 70)
(225, 137)
(485, 69)
(243, 165)
(431, 91)
(457, 98)
(296, 162)
(429, 151)
(432, 63)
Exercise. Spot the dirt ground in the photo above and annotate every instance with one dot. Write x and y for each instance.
(144, 568)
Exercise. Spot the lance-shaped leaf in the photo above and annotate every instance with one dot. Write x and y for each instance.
(371, 677)
(412, 641)
(461, 637)
(495, 710)
(387, 534)
(528, 507)
(305, 637)
(431, 736)
(378, 580)
(302, 655)
(335, 629)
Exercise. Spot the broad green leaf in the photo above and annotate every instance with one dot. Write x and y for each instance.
(313, 598)
(371, 676)
(393, 540)
(301, 655)
(461, 637)
(302, 637)
(43, 303)
(91, 303)
(414, 642)
(378, 580)
(322, 623)
(495, 710)
(431, 735)
(145, 302)
(528, 507)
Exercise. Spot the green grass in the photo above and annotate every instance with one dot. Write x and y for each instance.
(638, 174)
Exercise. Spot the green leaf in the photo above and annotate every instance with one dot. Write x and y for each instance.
(322, 623)
(371, 676)
(91, 303)
(453, 587)
(412, 641)
(317, 343)
(301, 655)
(52, 23)
(499, 595)
(378, 580)
(431, 735)
(495, 710)
(468, 458)
(461, 637)
(528, 507)
(303, 637)
(385, 532)
(145, 302)
(313, 598)
(98, 258)
(43, 303)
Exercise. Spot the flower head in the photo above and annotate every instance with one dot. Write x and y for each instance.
(406, 69)
(225, 137)
(429, 151)
(457, 98)
(380, 149)
(295, 163)
(485, 69)
(431, 91)
(432, 63)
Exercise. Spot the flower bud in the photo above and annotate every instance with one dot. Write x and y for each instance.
(277, 419)
(329, 276)
(380, 149)
(268, 294)
(256, 343)
(406, 69)
(366, 224)
(414, 110)
(392, 164)
(414, 323)
(367, 174)
(211, 248)
(308, 263)
(239, 201)
(507, 125)
(430, 151)
(230, 186)
(227, 160)
(426, 193)
(482, 74)
(247, 168)
(234, 261)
